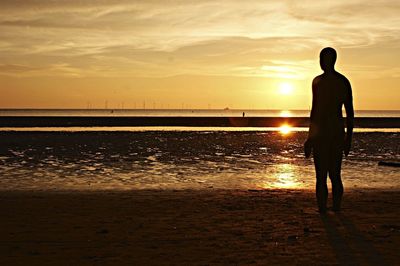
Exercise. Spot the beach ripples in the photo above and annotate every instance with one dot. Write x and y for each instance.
(173, 160)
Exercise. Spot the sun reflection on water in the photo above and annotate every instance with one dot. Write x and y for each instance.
(284, 176)
(286, 180)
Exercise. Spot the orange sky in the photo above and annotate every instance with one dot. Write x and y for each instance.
(68, 54)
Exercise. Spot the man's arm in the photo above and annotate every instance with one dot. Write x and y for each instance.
(348, 105)
(312, 129)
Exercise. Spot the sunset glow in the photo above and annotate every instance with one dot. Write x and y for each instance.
(207, 54)
(285, 88)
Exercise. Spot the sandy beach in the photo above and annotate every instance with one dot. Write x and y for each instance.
(197, 227)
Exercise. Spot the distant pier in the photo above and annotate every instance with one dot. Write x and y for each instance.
(135, 121)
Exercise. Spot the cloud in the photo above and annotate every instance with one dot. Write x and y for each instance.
(155, 38)
(10, 68)
(60, 70)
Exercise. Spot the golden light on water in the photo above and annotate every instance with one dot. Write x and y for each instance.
(286, 180)
(285, 129)
(284, 176)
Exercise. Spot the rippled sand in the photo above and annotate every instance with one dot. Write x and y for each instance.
(182, 160)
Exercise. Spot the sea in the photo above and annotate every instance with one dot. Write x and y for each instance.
(130, 158)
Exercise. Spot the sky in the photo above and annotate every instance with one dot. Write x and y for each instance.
(194, 54)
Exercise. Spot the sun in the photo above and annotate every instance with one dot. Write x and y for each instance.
(285, 129)
(285, 88)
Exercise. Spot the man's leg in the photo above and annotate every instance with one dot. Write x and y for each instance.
(335, 166)
(321, 171)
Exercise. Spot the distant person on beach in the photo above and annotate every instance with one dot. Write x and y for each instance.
(326, 137)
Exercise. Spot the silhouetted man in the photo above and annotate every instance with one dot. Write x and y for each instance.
(326, 137)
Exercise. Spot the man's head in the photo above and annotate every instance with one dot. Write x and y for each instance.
(327, 59)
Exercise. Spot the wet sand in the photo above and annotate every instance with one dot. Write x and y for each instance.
(197, 227)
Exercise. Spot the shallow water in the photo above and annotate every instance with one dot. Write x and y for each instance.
(183, 159)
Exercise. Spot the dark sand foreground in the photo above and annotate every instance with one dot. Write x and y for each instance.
(206, 227)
